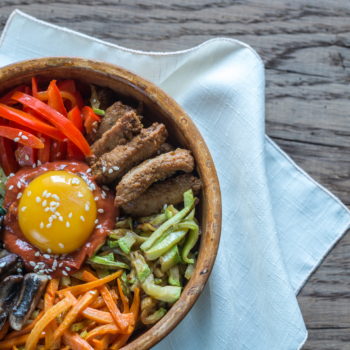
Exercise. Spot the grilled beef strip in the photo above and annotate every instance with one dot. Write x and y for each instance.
(167, 192)
(113, 165)
(138, 179)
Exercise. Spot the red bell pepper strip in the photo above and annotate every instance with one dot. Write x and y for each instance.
(35, 87)
(54, 98)
(66, 85)
(43, 96)
(20, 136)
(25, 155)
(91, 119)
(74, 153)
(28, 91)
(7, 98)
(58, 151)
(7, 158)
(75, 117)
(30, 121)
(79, 99)
(56, 119)
(43, 154)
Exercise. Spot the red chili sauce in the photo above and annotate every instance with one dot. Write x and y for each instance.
(15, 241)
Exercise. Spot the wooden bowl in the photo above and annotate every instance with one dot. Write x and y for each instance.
(162, 108)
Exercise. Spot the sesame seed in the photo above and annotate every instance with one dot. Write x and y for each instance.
(103, 169)
(96, 198)
(80, 195)
(3, 264)
(99, 226)
(110, 171)
(47, 209)
(70, 215)
(96, 221)
(61, 245)
(41, 226)
(58, 154)
(24, 137)
(88, 171)
(105, 187)
(67, 224)
(32, 263)
(26, 157)
(90, 188)
(16, 139)
(53, 268)
(87, 208)
(37, 253)
(44, 203)
(52, 209)
(29, 193)
(38, 199)
(46, 256)
(34, 166)
(49, 251)
(65, 273)
(63, 166)
(20, 133)
(60, 218)
(12, 174)
(57, 213)
(55, 263)
(44, 193)
(49, 270)
(48, 195)
(24, 208)
(165, 206)
(54, 216)
(60, 265)
(82, 218)
(115, 168)
(49, 277)
(50, 219)
(19, 270)
(39, 163)
(11, 187)
(52, 204)
(49, 225)
(101, 211)
(67, 268)
(19, 185)
(19, 195)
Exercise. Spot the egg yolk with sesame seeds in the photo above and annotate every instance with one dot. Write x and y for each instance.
(57, 212)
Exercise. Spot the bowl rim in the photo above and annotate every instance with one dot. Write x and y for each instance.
(203, 159)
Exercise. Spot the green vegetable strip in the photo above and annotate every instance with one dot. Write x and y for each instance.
(141, 266)
(98, 111)
(168, 293)
(126, 242)
(190, 267)
(188, 197)
(170, 258)
(158, 233)
(174, 276)
(190, 243)
(156, 251)
(103, 261)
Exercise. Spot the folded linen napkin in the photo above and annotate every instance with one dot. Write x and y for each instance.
(278, 223)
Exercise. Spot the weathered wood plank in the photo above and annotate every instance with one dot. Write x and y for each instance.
(305, 46)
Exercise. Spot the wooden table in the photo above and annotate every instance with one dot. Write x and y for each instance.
(305, 45)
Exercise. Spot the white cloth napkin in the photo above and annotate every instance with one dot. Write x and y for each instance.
(278, 223)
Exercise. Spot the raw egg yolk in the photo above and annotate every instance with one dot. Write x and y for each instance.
(57, 212)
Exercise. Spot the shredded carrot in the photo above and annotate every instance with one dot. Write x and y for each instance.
(108, 299)
(75, 311)
(26, 329)
(45, 320)
(101, 330)
(49, 297)
(8, 344)
(75, 341)
(123, 298)
(14, 347)
(82, 288)
(99, 302)
(97, 315)
(4, 330)
(102, 344)
(66, 348)
(135, 307)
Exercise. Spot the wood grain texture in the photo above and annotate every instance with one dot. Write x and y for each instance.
(305, 45)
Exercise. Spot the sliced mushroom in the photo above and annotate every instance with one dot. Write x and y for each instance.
(9, 293)
(9, 265)
(32, 288)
